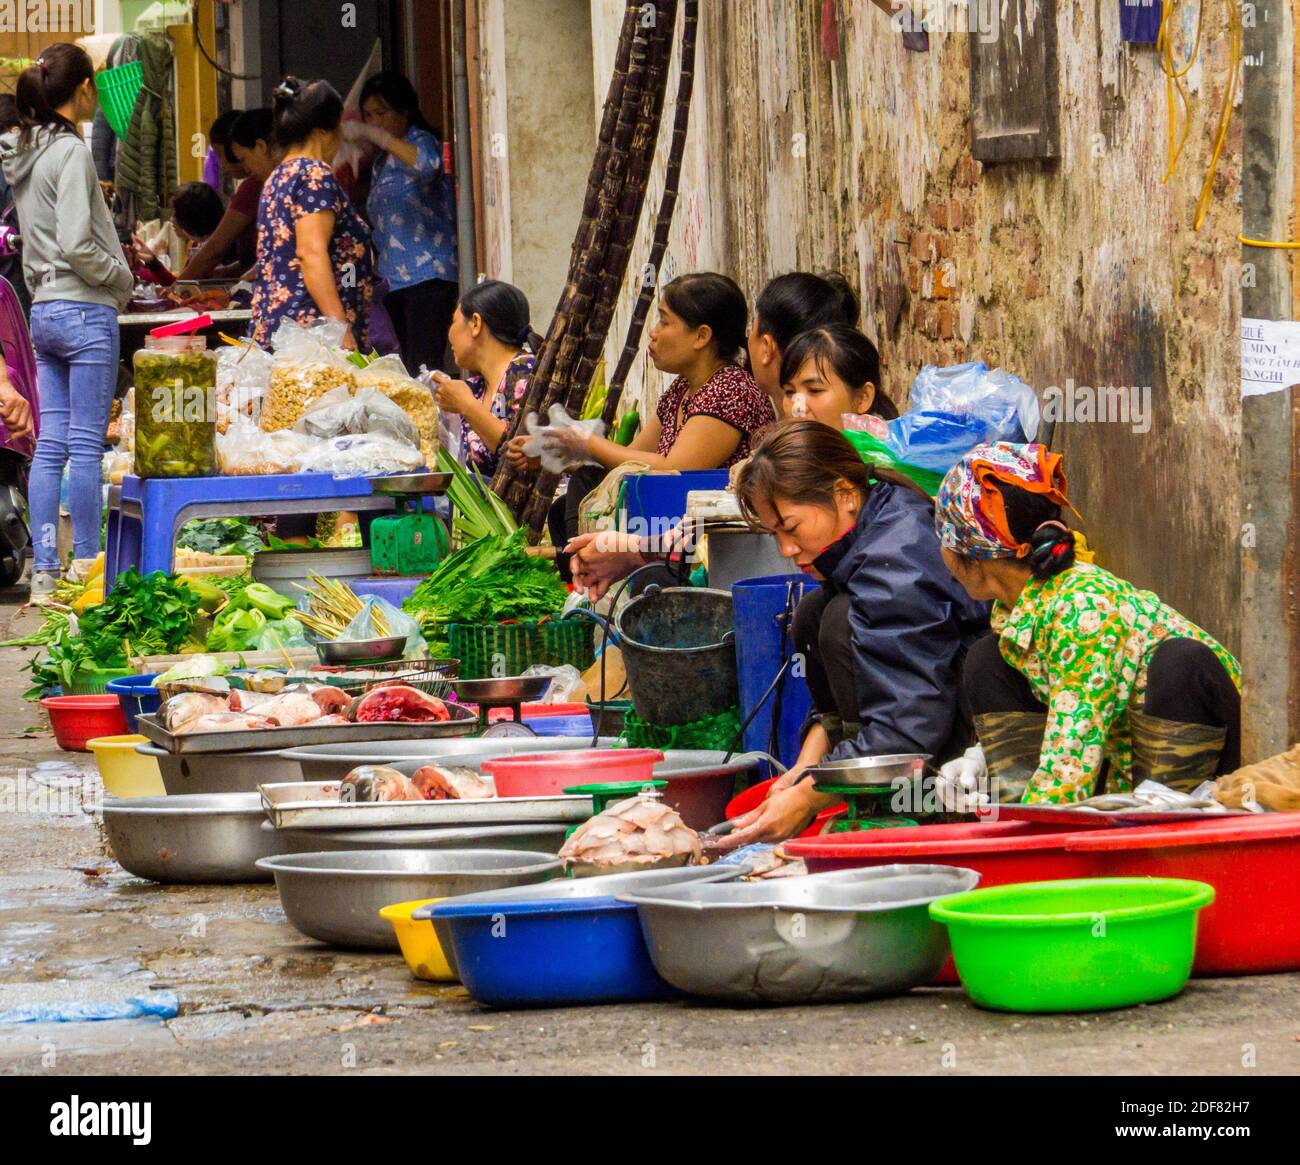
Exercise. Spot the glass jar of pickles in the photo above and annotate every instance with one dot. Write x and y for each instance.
(175, 408)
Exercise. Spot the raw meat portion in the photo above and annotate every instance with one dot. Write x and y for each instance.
(400, 702)
(377, 783)
(640, 831)
(331, 699)
(291, 708)
(227, 722)
(244, 701)
(180, 712)
(445, 783)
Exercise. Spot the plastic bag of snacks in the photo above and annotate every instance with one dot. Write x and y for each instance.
(388, 374)
(244, 449)
(360, 455)
(308, 363)
(243, 373)
(369, 411)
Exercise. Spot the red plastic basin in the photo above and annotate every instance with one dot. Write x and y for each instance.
(1253, 926)
(77, 719)
(1001, 852)
(547, 774)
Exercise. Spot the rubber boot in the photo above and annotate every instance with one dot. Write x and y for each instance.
(1012, 743)
(1174, 753)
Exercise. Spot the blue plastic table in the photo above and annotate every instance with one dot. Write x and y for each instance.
(145, 515)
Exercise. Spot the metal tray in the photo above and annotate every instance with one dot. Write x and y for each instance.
(411, 483)
(315, 805)
(462, 723)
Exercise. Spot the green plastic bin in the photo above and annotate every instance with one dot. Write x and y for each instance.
(1088, 944)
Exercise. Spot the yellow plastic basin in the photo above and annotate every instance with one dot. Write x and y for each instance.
(419, 942)
(125, 772)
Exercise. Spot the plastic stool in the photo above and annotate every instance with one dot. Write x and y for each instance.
(145, 515)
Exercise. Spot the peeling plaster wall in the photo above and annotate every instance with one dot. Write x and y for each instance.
(1085, 269)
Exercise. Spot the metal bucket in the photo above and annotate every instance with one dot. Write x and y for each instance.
(679, 650)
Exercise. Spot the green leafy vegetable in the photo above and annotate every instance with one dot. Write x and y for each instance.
(477, 511)
(491, 580)
(221, 536)
(153, 614)
(236, 630)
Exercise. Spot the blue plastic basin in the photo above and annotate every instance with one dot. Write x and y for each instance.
(137, 695)
(551, 953)
(566, 943)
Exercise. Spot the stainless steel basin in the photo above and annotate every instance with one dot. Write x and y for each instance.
(540, 837)
(852, 934)
(202, 837)
(336, 897)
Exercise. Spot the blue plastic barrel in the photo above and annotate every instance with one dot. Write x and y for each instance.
(137, 695)
(759, 606)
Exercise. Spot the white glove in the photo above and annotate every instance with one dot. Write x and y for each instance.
(363, 131)
(561, 444)
(962, 785)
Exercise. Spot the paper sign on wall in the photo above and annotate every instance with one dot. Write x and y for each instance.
(1270, 355)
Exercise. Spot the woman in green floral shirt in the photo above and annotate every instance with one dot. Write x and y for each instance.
(1085, 675)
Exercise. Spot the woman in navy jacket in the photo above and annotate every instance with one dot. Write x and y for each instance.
(885, 635)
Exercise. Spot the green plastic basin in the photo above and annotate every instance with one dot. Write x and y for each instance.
(1079, 945)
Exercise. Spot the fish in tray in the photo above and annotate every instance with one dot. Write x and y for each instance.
(399, 702)
(429, 783)
(314, 705)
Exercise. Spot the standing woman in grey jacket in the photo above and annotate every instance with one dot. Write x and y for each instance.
(79, 279)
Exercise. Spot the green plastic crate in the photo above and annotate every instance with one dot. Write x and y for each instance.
(490, 649)
(118, 89)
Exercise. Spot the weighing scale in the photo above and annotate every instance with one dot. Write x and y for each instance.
(511, 692)
(868, 808)
(412, 540)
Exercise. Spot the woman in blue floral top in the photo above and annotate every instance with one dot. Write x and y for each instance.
(412, 210)
(313, 248)
(493, 341)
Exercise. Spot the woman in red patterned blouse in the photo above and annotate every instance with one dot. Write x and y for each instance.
(709, 413)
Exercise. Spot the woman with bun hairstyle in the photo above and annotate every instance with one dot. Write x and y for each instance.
(787, 306)
(1086, 679)
(831, 371)
(80, 279)
(494, 342)
(313, 247)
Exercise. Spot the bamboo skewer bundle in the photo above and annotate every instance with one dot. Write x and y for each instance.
(602, 246)
(333, 606)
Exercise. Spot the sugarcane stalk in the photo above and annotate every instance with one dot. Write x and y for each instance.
(664, 216)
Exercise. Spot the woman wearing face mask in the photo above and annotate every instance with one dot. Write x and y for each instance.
(313, 248)
(1084, 670)
(492, 340)
(885, 635)
(411, 206)
(789, 305)
(831, 371)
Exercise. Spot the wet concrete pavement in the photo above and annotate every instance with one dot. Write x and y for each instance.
(258, 998)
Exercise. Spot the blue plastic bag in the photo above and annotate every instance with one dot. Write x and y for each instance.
(953, 409)
(160, 1004)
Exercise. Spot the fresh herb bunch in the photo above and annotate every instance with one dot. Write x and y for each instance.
(491, 580)
(149, 614)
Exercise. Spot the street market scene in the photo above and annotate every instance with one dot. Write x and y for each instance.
(667, 537)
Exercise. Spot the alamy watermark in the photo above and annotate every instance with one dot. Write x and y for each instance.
(24, 16)
(1110, 404)
(960, 17)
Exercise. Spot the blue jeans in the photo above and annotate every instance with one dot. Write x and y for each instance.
(77, 346)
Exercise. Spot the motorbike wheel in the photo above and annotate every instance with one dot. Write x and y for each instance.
(11, 570)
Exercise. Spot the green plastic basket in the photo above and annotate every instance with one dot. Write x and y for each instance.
(496, 649)
(118, 89)
(93, 682)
